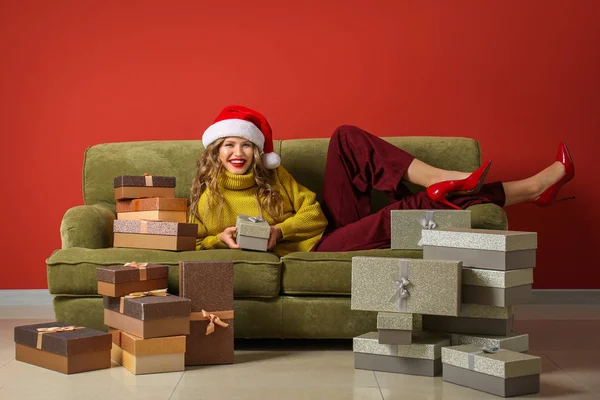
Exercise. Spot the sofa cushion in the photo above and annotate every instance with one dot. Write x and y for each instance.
(328, 273)
(73, 271)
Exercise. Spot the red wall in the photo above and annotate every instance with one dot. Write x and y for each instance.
(518, 76)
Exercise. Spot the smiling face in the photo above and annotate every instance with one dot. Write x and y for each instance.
(236, 154)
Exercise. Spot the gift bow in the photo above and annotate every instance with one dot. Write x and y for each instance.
(401, 281)
(486, 350)
(426, 223)
(141, 267)
(135, 295)
(255, 219)
(213, 318)
(54, 329)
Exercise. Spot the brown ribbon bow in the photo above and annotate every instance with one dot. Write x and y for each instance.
(140, 267)
(135, 295)
(53, 329)
(213, 318)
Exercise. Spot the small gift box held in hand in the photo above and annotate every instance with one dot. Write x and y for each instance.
(252, 233)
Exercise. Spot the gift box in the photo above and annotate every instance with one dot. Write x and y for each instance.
(133, 187)
(406, 285)
(156, 215)
(397, 328)
(62, 347)
(496, 288)
(152, 204)
(497, 371)
(119, 280)
(474, 319)
(489, 249)
(148, 356)
(422, 357)
(252, 233)
(148, 314)
(209, 286)
(155, 235)
(514, 342)
(408, 224)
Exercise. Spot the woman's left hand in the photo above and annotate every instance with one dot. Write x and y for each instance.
(275, 235)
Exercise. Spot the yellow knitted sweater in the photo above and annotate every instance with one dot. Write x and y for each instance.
(302, 224)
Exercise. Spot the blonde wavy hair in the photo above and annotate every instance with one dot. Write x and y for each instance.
(209, 168)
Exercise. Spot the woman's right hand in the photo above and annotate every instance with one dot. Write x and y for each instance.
(227, 237)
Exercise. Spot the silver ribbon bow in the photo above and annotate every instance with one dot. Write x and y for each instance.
(402, 282)
(255, 219)
(486, 350)
(426, 223)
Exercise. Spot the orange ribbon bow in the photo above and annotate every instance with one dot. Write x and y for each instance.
(54, 329)
(140, 267)
(213, 318)
(135, 295)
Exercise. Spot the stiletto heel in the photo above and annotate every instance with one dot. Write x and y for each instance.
(548, 196)
(470, 185)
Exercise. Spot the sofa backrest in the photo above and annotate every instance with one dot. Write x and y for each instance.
(303, 158)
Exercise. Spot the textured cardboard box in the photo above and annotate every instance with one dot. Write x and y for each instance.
(408, 224)
(120, 280)
(252, 233)
(152, 204)
(510, 387)
(498, 297)
(515, 341)
(149, 328)
(156, 242)
(398, 365)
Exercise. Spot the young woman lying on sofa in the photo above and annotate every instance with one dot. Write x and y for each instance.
(239, 173)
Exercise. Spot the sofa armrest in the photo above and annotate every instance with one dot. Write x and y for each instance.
(488, 216)
(89, 226)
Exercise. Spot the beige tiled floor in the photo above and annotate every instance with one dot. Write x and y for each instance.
(566, 337)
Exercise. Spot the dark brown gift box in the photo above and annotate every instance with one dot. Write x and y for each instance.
(69, 352)
(145, 181)
(120, 280)
(209, 285)
(149, 307)
(152, 204)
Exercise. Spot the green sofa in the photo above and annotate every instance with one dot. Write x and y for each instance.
(301, 295)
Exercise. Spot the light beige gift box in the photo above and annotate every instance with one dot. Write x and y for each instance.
(408, 224)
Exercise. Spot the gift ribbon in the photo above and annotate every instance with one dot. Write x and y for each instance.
(255, 219)
(426, 223)
(136, 295)
(402, 282)
(140, 267)
(148, 179)
(54, 329)
(486, 350)
(214, 318)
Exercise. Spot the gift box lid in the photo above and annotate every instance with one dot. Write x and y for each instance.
(496, 362)
(408, 224)
(424, 346)
(209, 284)
(155, 304)
(497, 279)
(151, 204)
(155, 227)
(61, 338)
(483, 311)
(480, 239)
(399, 321)
(253, 226)
(131, 272)
(515, 341)
(144, 180)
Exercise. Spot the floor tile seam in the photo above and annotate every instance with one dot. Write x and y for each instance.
(583, 385)
(378, 386)
(6, 363)
(176, 385)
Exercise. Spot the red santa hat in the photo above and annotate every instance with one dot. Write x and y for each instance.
(243, 122)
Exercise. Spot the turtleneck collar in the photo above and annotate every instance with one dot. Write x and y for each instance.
(231, 181)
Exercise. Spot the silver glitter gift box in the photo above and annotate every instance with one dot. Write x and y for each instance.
(473, 319)
(406, 285)
(252, 233)
(397, 328)
(422, 357)
(514, 342)
(408, 224)
(481, 248)
(501, 372)
(496, 288)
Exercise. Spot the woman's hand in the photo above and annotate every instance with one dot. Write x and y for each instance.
(227, 237)
(275, 235)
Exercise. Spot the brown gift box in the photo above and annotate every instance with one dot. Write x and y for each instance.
(69, 351)
(155, 228)
(120, 280)
(144, 181)
(149, 305)
(152, 204)
(156, 242)
(156, 215)
(150, 364)
(209, 285)
(132, 192)
(147, 347)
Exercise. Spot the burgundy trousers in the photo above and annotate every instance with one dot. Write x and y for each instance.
(358, 162)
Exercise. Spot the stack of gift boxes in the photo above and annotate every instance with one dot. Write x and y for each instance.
(149, 216)
(450, 313)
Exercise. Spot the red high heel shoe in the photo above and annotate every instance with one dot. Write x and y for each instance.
(470, 185)
(548, 196)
